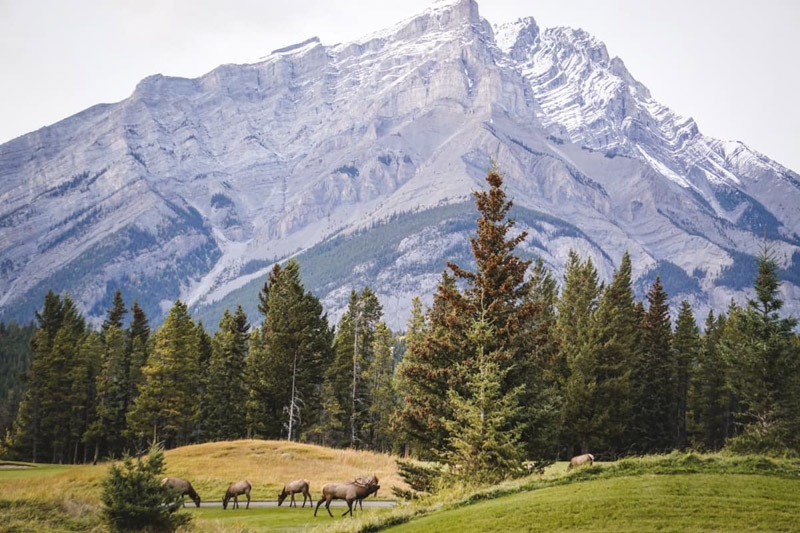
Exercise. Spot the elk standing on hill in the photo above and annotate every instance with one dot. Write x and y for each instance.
(293, 487)
(182, 487)
(580, 460)
(234, 490)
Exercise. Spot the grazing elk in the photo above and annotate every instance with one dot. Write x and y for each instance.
(182, 487)
(234, 491)
(349, 492)
(292, 488)
(580, 460)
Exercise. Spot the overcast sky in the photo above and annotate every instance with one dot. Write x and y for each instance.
(733, 65)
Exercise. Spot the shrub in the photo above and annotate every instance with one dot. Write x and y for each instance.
(135, 500)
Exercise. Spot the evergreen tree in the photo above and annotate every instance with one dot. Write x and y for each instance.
(139, 336)
(686, 346)
(15, 360)
(428, 370)
(497, 293)
(82, 395)
(113, 389)
(382, 400)
(116, 314)
(542, 397)
(655, 378)
(353, 355)
(226, 393)
(612, 349)
(576, 366)
(288, 355)
(483, 439)
(135, 500)
(765, 368)
(167, 405)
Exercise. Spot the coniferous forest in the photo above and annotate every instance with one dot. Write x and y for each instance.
(507, 364)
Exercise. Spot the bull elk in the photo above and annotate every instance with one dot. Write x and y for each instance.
(349, 492)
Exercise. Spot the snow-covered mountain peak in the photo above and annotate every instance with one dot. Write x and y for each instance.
(191, 188)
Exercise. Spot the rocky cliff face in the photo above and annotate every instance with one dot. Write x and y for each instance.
(191, 188)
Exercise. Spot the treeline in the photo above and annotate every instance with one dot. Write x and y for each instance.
(504, 365)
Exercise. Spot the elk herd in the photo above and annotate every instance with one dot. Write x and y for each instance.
(352, 492)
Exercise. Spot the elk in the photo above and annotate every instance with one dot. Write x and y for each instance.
(349, 492)
(182, 487)
(364, 482)
(292, 488)
(580, 460)
(234, 490)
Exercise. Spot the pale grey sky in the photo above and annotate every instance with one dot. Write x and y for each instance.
(731, 64)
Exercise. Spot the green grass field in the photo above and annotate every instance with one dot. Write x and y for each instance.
(682, 502)
(676, 492)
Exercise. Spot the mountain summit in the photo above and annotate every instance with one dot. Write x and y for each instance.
(362, 157)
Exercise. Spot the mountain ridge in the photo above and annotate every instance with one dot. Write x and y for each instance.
(191, 182)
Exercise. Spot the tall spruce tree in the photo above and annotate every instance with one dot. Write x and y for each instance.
(497, 293)
(686, 346)
(225, 391)
(614, 341)
(428, 370)
(113, 390)
(382, 398)
(353, 356)
(709, 398)
(765, 368)
(287, 358)
(576, 366)
(655, 406)
(167, 406)
(483, 436)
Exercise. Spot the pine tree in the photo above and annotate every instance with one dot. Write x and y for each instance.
(613, 343)
(226, 393)
(353, 355)
(139, 336)
(382, 400)
(116, 314)
(765, 368)
(686, 346)
(544, 387)
(483, 438)
(167, 405)
(497, 293)
(112, 393)
(134, 498)
(428, 370)
(286, 365)
(576, 367)
(83, 395)
(655, 378)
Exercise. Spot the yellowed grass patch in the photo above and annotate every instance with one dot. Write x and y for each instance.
(212, 467)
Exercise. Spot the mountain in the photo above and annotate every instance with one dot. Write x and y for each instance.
(360, 158)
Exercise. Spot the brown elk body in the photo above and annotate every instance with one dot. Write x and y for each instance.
(349, 492)
(234, 491)
(580, 460)
(182, 487)
(292, 488)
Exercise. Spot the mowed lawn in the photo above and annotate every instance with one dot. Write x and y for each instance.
(680, 502)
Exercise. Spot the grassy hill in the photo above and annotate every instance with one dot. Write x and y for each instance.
(677, 492)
